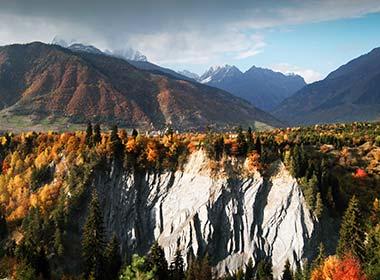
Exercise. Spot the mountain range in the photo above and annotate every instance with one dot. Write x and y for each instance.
(43, 80)
(350, 93)
(264, 88)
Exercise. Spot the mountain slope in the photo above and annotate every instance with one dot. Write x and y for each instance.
(264, 88)
(47, 80)
(350, 93)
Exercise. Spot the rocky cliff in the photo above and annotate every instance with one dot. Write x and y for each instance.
(218, 211)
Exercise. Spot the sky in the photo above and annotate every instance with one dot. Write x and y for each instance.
(309, 37)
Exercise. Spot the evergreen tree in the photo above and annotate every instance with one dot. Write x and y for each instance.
(205, 269)
(321, 255)
(177, 267)
(318, 206)
(239, 275)
(287, 272)
(89, 134)
(156, 258)
(138, 270)
(264, 270)
(351, 235)
(58, 243)
(117, 145)
(241, 143)
(249, 270)
(112, 258)
(93, 239)
(249, 140)
(372, 255)
(97, 134)
(3, 227)
(258, 145)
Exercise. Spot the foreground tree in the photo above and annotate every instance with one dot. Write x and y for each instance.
(156, 259)
(264, 270)
(138, 270)
(351, 235)
(287, 272)
(112, 259)
(177, 267)
(93, 240)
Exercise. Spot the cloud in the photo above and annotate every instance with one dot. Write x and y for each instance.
(309, 75)
(192, 47)
(169, 31)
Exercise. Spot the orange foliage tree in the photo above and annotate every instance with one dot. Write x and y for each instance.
(334, 268)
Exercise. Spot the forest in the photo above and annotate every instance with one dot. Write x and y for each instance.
(46, 176)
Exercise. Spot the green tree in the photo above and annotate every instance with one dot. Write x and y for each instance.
(116, 144)
(138, 270)
(25, 271)
(287, 272)
(89, 134)
(156, 258)
(241, 142)
(177, 267)
(372, 255)
(112, 258)
(321, 255)
(318, 206)
(3, 227)
(264, 270)
(97, 134)
(351, 235)
(249, 270)
(58, 243)
(93, 239)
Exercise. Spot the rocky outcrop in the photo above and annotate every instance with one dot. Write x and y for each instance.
(231, 217)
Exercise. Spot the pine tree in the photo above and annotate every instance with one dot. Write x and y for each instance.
(93, 239)
(258, 145)
(117, 145)
(287, 272)
(249, 140)
(58, 243)
(156, 258)
(249, 270)
(97, 134)
(351, 235)
(372, 253)
(3, 227)
(264, 270)
(177, 267)
(112, 258)
(241, 143)
(318, 206)
(205, 269)
(321, 255)
(89, 134)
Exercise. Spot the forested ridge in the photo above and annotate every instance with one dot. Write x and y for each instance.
(46, 176)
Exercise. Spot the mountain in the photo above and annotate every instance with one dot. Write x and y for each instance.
(84, 48)
(43, 81)
(350, 93)
(132, 56)
(262, 87)
(189, 74)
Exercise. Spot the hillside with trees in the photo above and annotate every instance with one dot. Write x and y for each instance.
(47, 179)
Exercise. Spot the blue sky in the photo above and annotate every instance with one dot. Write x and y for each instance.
(307, 37)
(321, 47)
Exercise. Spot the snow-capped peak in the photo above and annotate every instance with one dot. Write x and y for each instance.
(218, 73)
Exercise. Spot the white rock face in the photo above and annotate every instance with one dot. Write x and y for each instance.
(231, 217)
